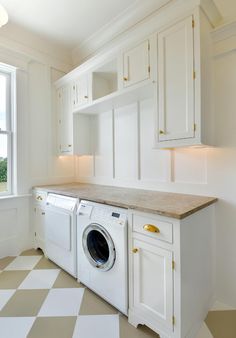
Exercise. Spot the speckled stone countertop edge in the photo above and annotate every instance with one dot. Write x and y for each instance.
(82, 196)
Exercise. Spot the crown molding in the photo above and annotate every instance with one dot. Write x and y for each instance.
(224, 38)
(133, 16)
(121, 23)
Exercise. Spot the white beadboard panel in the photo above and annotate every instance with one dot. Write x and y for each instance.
(190, 165)
(154, 163)
(85, 166)
(126, 142)
(39, 106)
(103, 144)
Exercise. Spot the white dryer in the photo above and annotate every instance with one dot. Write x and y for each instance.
(60, 231)
(102, 252)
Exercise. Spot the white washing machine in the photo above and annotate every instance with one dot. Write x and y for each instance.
(102, 252)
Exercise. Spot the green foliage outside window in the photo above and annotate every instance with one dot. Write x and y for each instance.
(3, 169)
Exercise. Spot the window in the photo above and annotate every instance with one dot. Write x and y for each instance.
(6, 81)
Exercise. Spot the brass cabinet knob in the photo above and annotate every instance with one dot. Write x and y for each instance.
(125, 79)
(161, 132)
(151, 228)
(39, 198)
(134, 250)
(69, 145)
(43, 213)
(86, 96)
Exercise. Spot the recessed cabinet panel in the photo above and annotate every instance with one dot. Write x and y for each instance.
(80, 92)
(153, 282)
(65, 121)
(136, 63)
(39, 223)
(176, 81)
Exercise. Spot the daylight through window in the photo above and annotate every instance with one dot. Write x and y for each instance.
(5, 131)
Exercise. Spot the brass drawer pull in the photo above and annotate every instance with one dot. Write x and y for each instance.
(39, 198)
(161, 132)
(86, 96)
(125, 79)
(43, 213)
(151, 228)
(134, 250)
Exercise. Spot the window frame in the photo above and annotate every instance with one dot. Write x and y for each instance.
(9, 72)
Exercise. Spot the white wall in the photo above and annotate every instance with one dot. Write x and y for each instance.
(124, 148)
(35, 159)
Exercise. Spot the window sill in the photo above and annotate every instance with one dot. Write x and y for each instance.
(6, 197)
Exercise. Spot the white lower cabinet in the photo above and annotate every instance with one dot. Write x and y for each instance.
(153, 295)
(170, 282)
(39, 204)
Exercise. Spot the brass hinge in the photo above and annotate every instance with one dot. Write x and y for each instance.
(34, 209)
(173, 320)
(193, 23)
(35, 234)
(194, 75)
(149, 69)
(59, 121)
(194, 127)
(148, 45)
(173, 265)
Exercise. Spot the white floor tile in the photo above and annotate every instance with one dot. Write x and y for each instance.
(62, 302)
(5, 295)
(23, 263)
(204, 332)
(15, 327)
(40, 279)
(97, 326)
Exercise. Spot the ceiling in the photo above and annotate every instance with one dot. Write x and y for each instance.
(68, 22)
(71, 22)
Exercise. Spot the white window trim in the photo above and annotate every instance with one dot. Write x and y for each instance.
(10, 72)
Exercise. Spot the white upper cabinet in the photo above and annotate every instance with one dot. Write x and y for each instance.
(65, 121)
(184, 112)
(80, 92)
(136, 64)
(176, 81)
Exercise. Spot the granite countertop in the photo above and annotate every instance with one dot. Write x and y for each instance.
(162, 203)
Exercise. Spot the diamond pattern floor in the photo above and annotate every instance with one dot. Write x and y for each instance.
(38, 299)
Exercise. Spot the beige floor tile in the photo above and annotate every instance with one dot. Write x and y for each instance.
(222, 324)
(129, 331)
(32, 252)
(94, 305)
(45, 263)
(53, 327)
(24, 303)
(64, 280)
(4, 262)
(12, 279)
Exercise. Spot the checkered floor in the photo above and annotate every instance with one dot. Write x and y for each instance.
(38, 299)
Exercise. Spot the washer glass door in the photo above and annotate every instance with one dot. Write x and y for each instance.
(98, 247)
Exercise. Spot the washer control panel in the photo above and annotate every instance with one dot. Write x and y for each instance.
(102, 213)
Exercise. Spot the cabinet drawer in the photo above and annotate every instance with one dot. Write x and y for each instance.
(153, 227)
(40, 196)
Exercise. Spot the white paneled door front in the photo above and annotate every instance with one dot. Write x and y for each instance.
(136, 63)
(176, 81)
(153, 283)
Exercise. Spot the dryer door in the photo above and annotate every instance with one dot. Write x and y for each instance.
(98, 247)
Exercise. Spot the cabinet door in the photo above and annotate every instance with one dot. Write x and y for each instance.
(65, 121)
(176, 81)
(39, 225)
(153, 283)
(80, 92)
(136, 64)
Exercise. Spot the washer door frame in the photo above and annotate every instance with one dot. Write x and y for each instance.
(112, 251)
